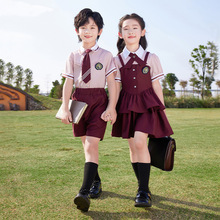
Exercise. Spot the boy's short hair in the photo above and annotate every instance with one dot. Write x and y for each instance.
(83, 17)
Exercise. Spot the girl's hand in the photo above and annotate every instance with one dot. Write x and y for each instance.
(109, 115)
(113, 115)
(66, 117)
(104, 116)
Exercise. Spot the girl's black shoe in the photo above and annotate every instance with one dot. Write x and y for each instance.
(82, 201)
(95, 190)
(143, 199)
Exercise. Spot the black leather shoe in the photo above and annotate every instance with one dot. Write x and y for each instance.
(95, 190)
(143, 199)
(82, 201)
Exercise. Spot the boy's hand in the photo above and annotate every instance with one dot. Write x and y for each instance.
(109, 115)
(66, 117)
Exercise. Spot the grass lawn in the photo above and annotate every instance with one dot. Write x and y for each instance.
(41, 169)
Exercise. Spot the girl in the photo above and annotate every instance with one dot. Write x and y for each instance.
(140, 106)
(89, 68)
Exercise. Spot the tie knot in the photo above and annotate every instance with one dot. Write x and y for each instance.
(88, 51)
(133, 55)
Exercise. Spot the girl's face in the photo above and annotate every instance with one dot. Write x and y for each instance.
(89, 33)
(131, 32)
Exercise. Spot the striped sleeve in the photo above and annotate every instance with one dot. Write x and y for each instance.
(156, 68)
(69, 69)
(110, 71)
(110, 66)
(118, 75)
(159, 76)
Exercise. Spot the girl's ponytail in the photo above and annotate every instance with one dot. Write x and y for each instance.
(120, 45)
(143, 42)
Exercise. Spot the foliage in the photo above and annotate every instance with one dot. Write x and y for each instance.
(28, 80)
(35, 89)
(170, 93)
(171, 80)
(15, 75)
(171, 102)
(183, 83)
(9, 73)
(195, 83)
(204, 63)
(47, 102)
(164, 84)
(19, 76)
(2, 69)
(218, 83)
(56, 91)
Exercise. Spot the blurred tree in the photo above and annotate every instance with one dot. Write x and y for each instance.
(19, 76)
(208, 82)
(195, 83)
(28, 79)
(35, 89)
(164, 83)
(2, 69)
(183, 84)
(166, 91)
(171, 80)
(218, 85)
(9, 75)
(56, 91)
(204, 63)
(213, 54)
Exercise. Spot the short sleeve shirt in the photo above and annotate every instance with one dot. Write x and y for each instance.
(102, 65)
(153, 61)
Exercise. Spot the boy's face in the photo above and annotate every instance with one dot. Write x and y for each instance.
(89, 32)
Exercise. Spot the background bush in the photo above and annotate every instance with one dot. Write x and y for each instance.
(173, 102)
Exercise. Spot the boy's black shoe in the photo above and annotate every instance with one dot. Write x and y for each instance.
(143, 199)
(82, 201)
(95, 190)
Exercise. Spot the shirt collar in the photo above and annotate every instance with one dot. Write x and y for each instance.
(94, 48)
(139, 52)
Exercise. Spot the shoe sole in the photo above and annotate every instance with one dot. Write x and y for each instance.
(142, 205)
(82, 204)
(95, 196)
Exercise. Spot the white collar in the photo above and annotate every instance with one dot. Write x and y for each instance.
(94, 48)
(139, 52)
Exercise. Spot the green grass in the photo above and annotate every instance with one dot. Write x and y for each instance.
(49, 103)
(41, 169)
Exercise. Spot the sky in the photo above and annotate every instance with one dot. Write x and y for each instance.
(40, 34)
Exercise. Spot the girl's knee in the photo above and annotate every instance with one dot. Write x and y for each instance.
(139, 143)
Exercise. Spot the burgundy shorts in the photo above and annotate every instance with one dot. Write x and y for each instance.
(91, 123)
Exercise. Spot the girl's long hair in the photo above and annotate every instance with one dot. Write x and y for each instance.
(120, 42)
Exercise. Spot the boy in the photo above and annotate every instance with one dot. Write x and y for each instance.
(89, 68)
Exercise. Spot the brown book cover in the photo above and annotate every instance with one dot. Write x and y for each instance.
(77, 109)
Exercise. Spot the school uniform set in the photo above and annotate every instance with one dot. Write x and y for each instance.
(89, 70)
(139, 108)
